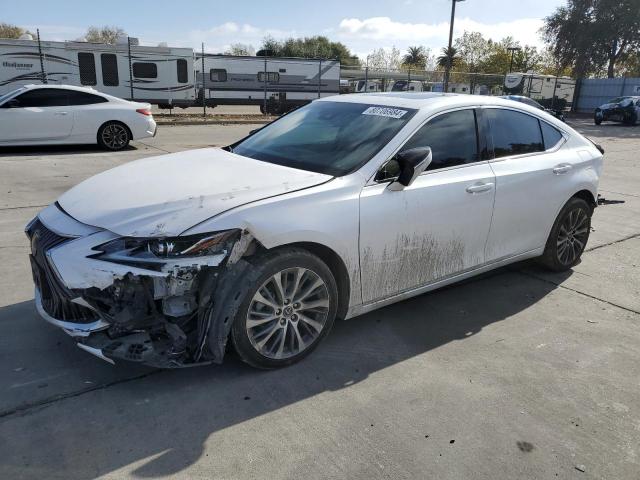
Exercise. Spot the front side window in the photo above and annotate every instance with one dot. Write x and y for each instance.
(109, 64)
(513, 133)
(452, 137)
(272, 77)
(43, 97)
(334, 138)
(218, 75)
(183, 73)
(87, 67)
(145, 70)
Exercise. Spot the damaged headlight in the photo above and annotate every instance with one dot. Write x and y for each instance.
(159, 251)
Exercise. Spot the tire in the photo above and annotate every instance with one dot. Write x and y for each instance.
(568, 237)
(273, 330)
(597, 120)
(114, 136)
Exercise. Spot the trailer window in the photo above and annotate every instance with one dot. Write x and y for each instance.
(218, 75)
(272, 77)
(87, 67)
(183, 74)
(145, 70)
(109, 64)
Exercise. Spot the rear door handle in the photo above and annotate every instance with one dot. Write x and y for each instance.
(62, 113)
(480, 187)
(562, 169)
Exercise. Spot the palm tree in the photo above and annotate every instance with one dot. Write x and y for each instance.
(415, 57)
(449, 58)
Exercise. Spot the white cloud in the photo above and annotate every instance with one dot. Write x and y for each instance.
(219, 37)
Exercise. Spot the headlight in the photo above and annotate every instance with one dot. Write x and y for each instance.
(160, 250)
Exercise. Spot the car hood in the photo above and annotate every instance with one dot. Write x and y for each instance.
(166, 195)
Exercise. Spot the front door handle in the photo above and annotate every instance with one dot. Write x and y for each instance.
(480, 187)
(562, 169)
(62, 113)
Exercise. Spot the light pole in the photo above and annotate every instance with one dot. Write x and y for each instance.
(449, 59)
(512, 50)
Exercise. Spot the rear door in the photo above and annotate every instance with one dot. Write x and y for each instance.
(532, 181)
(41, 114)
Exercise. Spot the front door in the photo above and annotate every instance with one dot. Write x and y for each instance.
(436, 227)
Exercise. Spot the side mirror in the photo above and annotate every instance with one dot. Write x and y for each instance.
(412, 163)
(13, 103)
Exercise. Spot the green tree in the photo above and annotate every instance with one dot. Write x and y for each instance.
(473, 49)
(448, 57)
(11, 31)
(415, 58)
(309, 47)
(104, 34)
(591, 35)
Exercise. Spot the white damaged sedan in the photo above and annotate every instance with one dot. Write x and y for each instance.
(343, 206)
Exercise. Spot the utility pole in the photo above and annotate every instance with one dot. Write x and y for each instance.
(449, 59)
(512, 50)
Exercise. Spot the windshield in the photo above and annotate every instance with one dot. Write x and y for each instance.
(617, 99)
(10, 94)
(333, 138)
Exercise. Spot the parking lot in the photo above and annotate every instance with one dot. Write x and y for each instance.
(517, 373)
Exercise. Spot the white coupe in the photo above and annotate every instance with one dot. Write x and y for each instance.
(63, 114)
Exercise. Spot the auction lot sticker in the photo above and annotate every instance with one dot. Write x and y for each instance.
(384, 112)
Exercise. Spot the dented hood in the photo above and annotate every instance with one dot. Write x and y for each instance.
(166, 195)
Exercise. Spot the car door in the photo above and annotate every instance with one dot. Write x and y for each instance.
(437, 226)
(532, 181)
(35, 115)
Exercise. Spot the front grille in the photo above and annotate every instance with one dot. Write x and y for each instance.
(56, 297)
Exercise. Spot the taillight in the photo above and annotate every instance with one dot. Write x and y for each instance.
(144, 111)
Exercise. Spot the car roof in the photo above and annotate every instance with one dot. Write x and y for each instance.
(419, 100)
(64, 87)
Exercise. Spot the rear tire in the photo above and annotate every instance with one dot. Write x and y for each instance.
(597, 121)
(289, 306)
(569, 236)
(114, 136)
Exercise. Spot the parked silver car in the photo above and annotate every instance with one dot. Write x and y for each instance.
(346, 205)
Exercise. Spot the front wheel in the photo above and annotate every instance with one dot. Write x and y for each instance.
(287, 310)
(569, 236)
(114, 136)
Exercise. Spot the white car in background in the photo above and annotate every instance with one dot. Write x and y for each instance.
(343, 206)
(64, 114)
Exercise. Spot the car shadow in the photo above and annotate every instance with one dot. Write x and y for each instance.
(37, 150)
(162, 420)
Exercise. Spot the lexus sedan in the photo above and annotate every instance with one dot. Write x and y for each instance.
(61, 114)
(336, 209)
(620, 109)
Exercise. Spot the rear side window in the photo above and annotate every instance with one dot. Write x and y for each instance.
(513, 133)
(109, 64)
(550, 135)
(44, 97)
(218, 75)
(452, 138)
(145, 70)
(82, 98)
(87, 67)
(183, 74)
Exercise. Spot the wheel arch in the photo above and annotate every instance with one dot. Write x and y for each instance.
(587, 196)
(113, 121)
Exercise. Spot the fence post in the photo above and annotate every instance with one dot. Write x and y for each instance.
(366, 79)
(204, 101)
(265, 84)
(553, 97)
(43, 77)
(130, 67)
(319, 77)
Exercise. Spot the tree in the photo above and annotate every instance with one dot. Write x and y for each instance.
(589, 35)
(104, 34)
(415, 58)
(309, 47)
(11, 31)
(382, 59)
(240, 49)
(473, 49)
(448, 58)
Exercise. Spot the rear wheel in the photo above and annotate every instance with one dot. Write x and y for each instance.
(597, 120)
(114, 136)
(289, 308)
(569, 236)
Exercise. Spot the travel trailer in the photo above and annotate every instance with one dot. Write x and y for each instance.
(362, 86)
(281, 83)
(539, 87)
(159, 75)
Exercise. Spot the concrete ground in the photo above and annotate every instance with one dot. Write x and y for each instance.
(516, 374)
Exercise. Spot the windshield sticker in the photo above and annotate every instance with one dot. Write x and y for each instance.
(385, 112)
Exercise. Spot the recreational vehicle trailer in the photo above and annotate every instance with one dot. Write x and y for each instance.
(159, 75)
(285, 82)
(540, 87)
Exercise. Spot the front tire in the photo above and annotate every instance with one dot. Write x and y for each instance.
(569, 236)
(114, 136)
(287, 310)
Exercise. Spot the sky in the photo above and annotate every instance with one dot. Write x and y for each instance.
(362, 25)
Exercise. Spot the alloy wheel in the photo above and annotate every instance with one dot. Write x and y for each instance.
(287, 313)
(572, 236)
(115, 136)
